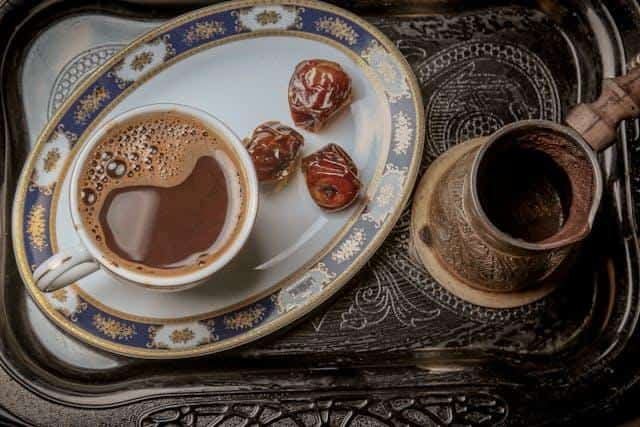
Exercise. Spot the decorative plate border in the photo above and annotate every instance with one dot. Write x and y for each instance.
(131, 67)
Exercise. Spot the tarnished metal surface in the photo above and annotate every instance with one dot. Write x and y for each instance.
(395, 346)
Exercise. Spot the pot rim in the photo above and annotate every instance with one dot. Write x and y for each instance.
(519, 245)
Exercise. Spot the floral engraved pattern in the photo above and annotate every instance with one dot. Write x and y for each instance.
(141, 60)
(245, 319)
(182, 336)
(36, 227)
(339, 29)
(408, 408)
(268, 17)
(373, 305)
(90, 104)
(403, 133)
(113, 328)
(350, 247)
(203, 31)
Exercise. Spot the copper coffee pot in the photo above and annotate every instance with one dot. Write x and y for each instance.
(494, 219)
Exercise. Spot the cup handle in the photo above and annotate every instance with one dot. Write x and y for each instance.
(64, 268)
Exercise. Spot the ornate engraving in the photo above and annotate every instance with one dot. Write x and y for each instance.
(406, 408)
(338, 29)
(350, 247)
(475, 88)
(113, 328)
(36, 227)
(416, 285)
(462, 248)
(90, 104)
(372, 305)
(204, 31)
(245, 319)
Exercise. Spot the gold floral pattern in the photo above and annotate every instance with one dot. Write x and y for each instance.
(182, 336)
(403, 133)
(338, 29)
(51, 160)
(60, 295)
(268, 17)
(113, 328)
(203, 31)
(265, 17)
(36, 227)
(90, 104)
(245, 319)
(141, 60)
(350, 247)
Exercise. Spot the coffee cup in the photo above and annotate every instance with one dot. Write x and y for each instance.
(162, 196)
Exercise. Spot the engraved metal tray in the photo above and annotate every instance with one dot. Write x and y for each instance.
(394, 348)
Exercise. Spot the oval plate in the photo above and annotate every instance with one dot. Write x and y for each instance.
(233, 60)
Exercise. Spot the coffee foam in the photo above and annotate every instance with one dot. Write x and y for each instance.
(157, 149)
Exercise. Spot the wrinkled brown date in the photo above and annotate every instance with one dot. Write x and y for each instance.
(332, 177)
(274, 148)
(317, 90)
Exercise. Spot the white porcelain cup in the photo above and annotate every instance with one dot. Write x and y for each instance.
(71, 264)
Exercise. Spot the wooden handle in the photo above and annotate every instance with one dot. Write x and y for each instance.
(619, 100)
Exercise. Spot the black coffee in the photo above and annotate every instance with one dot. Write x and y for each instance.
(161, 193)
(526, 194)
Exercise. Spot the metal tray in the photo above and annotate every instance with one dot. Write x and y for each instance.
(394, 348)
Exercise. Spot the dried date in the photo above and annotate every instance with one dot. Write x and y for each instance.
(274, 148)
(318, 89)
(332, 177)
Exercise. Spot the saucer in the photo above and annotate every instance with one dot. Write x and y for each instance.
(233, 60)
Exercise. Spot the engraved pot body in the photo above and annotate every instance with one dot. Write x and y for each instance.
(472, 248)
(458, 223)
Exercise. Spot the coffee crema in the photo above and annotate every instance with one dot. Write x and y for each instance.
(162, 193)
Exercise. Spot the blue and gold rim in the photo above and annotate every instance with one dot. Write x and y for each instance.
(34, 239)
